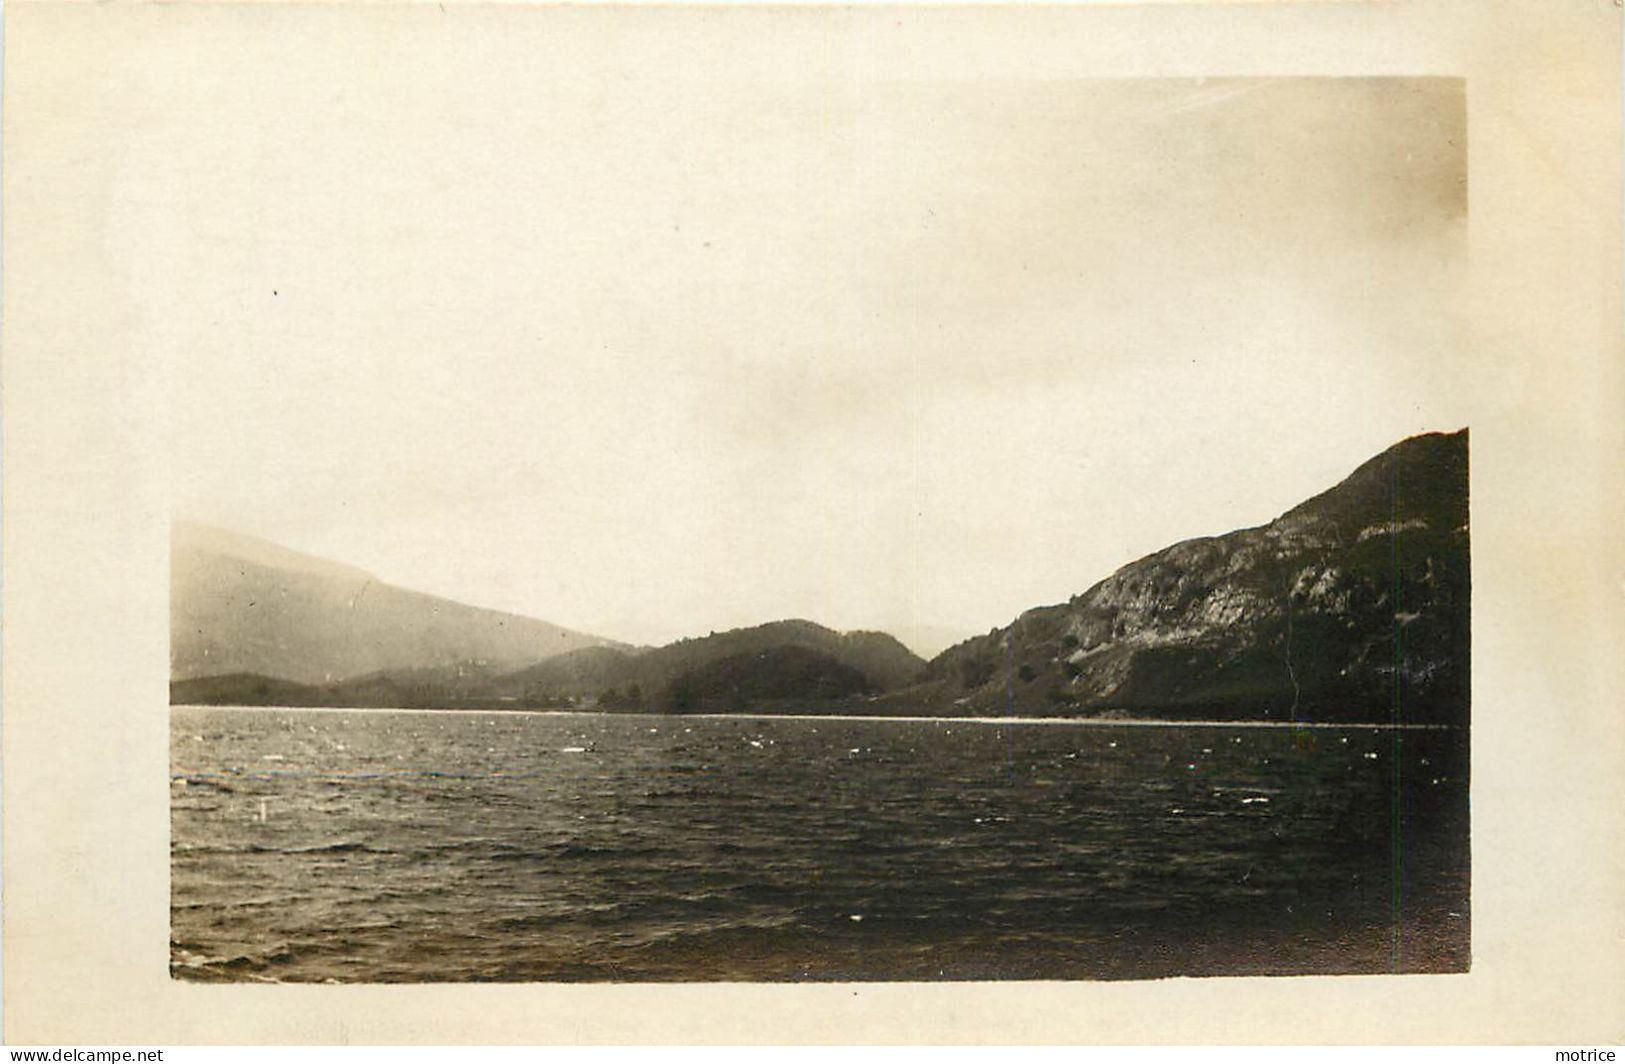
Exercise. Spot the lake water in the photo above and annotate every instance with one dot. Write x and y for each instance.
(383, 846)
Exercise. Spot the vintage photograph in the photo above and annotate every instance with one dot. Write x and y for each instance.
(659, 528)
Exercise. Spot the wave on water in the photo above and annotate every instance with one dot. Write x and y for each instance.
(245, 963)
(472, 847)
(180, 849)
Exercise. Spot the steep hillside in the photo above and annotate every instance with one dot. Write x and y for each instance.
(245, 606)
(1353, 606)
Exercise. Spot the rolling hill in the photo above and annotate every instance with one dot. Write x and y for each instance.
(884, 662)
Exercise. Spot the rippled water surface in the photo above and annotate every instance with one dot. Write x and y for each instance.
(429, 846)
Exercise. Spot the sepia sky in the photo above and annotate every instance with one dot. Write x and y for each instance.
(648, 352)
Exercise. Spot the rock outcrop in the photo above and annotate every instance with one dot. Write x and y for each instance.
(1353, 606)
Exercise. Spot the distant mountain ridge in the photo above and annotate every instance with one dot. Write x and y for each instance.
(1353, 606)
(241, 605)
(779, 660)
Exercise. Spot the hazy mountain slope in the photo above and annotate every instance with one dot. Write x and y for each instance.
(1351, 606)
(242, 605)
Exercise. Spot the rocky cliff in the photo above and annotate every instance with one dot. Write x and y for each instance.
(1353, 606)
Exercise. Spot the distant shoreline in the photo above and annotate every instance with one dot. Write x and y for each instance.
(1098, 722)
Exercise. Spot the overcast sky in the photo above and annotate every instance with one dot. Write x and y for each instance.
(654, 355)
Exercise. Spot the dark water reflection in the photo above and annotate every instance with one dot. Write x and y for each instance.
(384, 846)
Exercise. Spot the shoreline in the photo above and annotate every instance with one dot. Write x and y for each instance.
(1097, 722)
